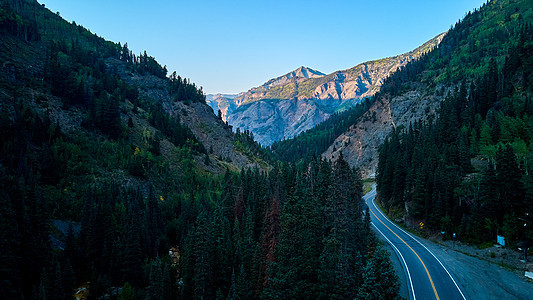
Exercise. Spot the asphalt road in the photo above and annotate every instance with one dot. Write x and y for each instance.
(427, 277)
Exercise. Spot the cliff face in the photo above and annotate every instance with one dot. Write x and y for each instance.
(223, 102)
(290, 104)
(359, 144)
(280, 88)
(272, 121)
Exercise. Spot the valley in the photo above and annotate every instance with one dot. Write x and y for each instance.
(122, 179)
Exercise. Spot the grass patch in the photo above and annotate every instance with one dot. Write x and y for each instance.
(367, 185)
(396, 213)
(485, 245)
(507, 267)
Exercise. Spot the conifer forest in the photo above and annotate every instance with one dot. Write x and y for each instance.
(117, 181)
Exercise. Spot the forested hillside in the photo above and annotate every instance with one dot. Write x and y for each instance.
(468, 170)
(415, 92)
(297, 233)
(315, 141)
(116, 181)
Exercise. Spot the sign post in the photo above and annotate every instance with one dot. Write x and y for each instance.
(453, 237)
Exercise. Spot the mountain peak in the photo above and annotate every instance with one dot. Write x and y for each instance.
(304, 72)
(300, 74)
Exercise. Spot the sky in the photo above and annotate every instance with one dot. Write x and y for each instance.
(230, 46)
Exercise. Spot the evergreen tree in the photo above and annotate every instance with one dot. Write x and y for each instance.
(203, 257)
(127, 293)
(242, 284)
(10, 283)
(270, 238)
(132, 256)
(155, 281)
(379, 279)
(509, 180)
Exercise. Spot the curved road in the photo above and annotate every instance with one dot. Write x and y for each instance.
(427, 277)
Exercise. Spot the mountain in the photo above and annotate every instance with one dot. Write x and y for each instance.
(223, 102)
(71, 46)
(467, 169)
(416, 92)
(283, 87)
(285, 106)
(103, 151)
(448, 137)
(118, 181)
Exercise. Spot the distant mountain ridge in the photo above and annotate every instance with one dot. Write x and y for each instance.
(292, 78)
(285, 106)
(222, 102)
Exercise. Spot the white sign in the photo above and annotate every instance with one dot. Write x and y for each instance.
(529, 274)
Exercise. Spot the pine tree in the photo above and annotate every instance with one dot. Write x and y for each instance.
(108, 114)
(203, 256)
(232, 294)
(155, 280)
(333, 284)
(242, 285)
(10, 283)
(132, 255)
(127, 293)
(509, 179)
(270, 237)
(379, 279)
(69, 278)
(166, 284)
(57, 291)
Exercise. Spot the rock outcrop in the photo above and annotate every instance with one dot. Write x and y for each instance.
(359, 144)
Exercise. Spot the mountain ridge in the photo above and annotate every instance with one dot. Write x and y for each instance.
(415, 94)
(291, 103)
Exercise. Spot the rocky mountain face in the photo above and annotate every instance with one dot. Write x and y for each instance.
(280, 88)
(285, 106)
(223, 102)
(199, 118)
(360, 143)
(272, 120)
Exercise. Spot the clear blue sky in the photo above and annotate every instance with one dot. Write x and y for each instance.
(229, 46)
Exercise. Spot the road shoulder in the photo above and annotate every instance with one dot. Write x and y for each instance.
(481, 279)
(397, 265)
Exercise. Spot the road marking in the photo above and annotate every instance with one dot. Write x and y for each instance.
(404, 262)
(423, 264)
(408, 234)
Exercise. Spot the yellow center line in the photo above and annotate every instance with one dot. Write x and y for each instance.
(427, 272)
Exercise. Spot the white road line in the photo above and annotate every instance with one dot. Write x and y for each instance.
(373, 193)
(403, 260)
(451, 277)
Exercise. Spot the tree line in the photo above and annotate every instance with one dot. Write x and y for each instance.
(297, 232)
